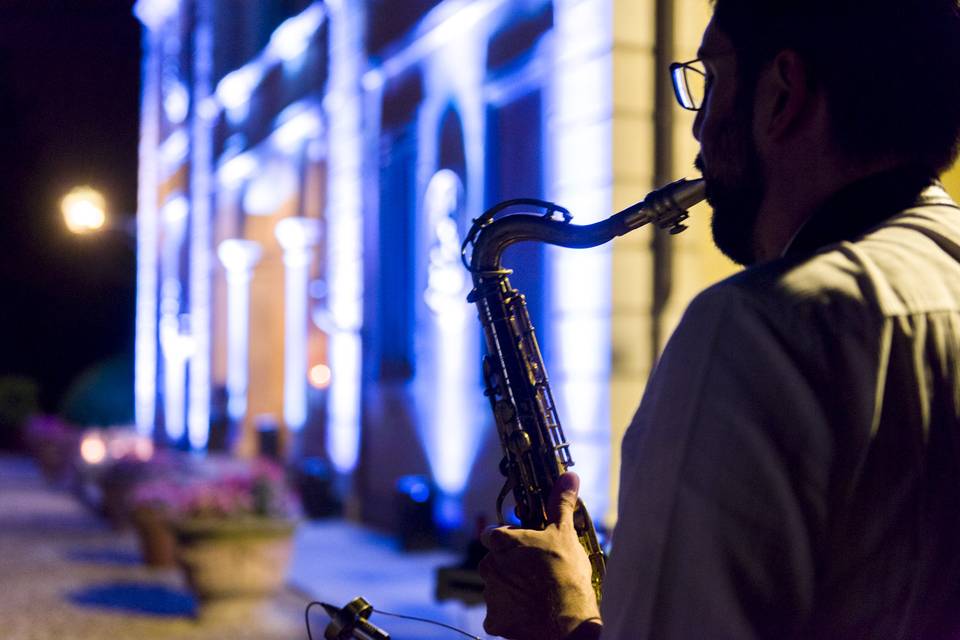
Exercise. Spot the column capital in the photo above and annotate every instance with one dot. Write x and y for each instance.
(297, 233)
(238, 255)
(153, 13)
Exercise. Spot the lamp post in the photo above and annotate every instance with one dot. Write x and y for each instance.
(86, 212)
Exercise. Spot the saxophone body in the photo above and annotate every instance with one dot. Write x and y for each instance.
(535, 450)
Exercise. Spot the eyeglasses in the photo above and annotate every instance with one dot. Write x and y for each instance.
(689, 83)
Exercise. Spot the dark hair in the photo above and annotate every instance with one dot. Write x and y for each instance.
(890, 68)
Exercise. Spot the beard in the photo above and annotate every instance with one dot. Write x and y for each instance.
(735, 185)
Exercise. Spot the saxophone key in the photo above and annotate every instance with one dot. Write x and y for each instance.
(504, 412)
(520, 442)
(522, 512)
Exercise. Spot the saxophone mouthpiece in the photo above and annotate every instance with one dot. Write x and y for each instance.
(667, 206)
(687, 193)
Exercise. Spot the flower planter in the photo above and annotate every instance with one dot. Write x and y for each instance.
(54, 444)
(118, 484)
(234, 558)
(157, 542)
(113, 503)
(54, 460)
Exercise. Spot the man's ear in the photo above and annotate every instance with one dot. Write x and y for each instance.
(785, 98)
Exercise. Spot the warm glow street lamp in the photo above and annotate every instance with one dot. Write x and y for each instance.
(84, 210)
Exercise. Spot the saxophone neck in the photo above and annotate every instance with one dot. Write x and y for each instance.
(666, 207)
(489, 238)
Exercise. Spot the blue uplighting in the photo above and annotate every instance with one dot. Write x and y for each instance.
(387, 155)
(415, 487)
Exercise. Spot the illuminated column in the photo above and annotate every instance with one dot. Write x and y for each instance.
(298, 237)
(174, 325)
(201, 149)
(451, 407)
(178, 346)
(447, 350)
(580, 127)
(632, 263)
(148, 259)
(154, 15)
(238, 258)
(344, 240)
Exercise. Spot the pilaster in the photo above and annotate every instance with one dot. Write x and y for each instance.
(298, 237)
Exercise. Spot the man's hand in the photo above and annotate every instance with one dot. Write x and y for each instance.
(537, 583)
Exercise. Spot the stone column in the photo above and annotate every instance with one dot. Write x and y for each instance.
(148, 236)
(581, 131)
(201, 220)
(238, 257)
(298, 236)
(344, 230)
(178, 346)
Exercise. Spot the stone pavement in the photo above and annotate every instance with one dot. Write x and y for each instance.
(65, 575)
(335, 561)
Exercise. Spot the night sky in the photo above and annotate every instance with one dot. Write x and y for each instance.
(69, 103)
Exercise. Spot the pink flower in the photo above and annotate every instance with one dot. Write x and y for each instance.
(48, 429)
(221, 490)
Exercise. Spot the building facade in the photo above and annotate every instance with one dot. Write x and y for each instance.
(308, 170)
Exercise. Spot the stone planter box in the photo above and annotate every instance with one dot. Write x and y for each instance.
(234, 558)
(115, 498)
(55, 460)
(158, 544)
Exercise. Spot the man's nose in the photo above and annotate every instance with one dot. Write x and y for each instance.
(697, 123)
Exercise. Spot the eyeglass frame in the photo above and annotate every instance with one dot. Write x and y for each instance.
(676, 66)
(679, 70)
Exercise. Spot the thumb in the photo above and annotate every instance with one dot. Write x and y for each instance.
(563, 498)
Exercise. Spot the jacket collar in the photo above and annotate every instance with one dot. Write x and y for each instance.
(863, 205)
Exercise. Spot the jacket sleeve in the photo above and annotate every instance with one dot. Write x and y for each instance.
(722, 484)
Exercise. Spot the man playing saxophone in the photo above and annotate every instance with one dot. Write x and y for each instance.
(793, 470)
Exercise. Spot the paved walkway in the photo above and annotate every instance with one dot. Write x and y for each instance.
(335, 561)
(64, 575)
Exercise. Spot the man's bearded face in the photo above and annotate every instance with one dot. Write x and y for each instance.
(731, 167)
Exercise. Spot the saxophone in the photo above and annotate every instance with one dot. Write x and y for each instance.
(535, 451)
